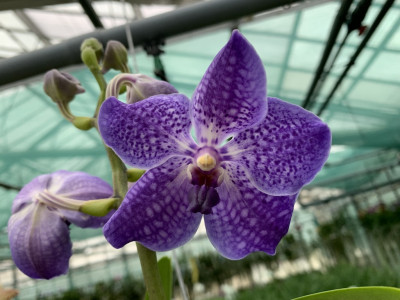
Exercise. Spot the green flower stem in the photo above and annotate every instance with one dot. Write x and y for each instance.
(126, 69)
(119, 177)
(148, 261)
(103, 86)
(64, 109)
(90, 59)
(148, 258)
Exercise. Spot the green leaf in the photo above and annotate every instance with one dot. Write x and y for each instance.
(165, 269)
(357, 293)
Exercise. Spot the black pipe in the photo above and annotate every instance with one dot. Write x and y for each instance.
(91, 13)
(160, 27)
(337, 24)
(364, 42)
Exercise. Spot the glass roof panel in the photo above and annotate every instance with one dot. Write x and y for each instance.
(8, 42)
(60, 24)
(113, 9)
(10, 20)
(313, 23)
(152, 10)
(303, 49)
(29, 40)
(382, 68)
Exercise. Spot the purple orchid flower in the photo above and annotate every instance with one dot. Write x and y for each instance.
(38, 229)
(252, 157)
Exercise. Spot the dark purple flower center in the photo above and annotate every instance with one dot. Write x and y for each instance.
(202, 199)
(205, 177)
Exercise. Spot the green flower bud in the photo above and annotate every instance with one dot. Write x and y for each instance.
(95, 45)
(115, 57)
(61, 87)
(89, 58)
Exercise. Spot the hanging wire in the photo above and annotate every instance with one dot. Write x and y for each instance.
(131, 46)
(179, 275)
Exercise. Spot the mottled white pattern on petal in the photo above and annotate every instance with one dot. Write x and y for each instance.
(232, 94)
(285, 151)
(155, 210)
(147, 133)
(247, 220)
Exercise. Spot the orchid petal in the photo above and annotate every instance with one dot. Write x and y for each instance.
(28, 192)
(80, 186)
(145, 134)
(247, 220)
(285, 151)
(85, 221)
(39, 241)
(232, 94)
(155, 210)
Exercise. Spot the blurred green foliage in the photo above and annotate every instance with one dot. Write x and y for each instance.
(127, 288)
(381, 218)
(340, 276)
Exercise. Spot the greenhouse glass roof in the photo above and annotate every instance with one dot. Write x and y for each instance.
(363, 113)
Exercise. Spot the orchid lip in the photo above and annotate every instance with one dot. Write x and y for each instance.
(202, 199)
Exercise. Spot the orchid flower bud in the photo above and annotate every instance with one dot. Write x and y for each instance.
(61, 87)
(38, 229)
(139, 87)
(95, 45)
(115, 57)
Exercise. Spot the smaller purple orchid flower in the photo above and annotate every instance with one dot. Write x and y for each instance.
(253, 155)
(38, 229)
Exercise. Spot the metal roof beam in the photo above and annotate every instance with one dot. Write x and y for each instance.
(353, 175)
(179, 21)
(350, 193)
(360, 48)
(337, 25)
(21, 4)
(91, 13)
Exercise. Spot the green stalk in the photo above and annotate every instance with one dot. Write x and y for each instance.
(119, 177)
(148, 258)
(148, 261)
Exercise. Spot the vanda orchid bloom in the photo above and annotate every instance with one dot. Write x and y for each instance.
(253, 155)
(38, 229)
